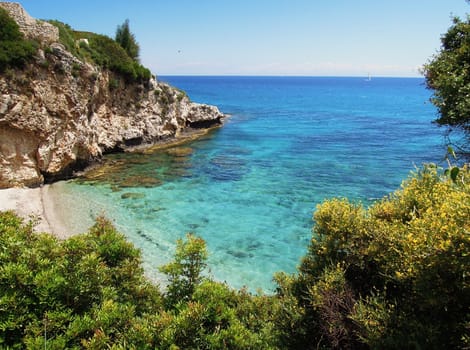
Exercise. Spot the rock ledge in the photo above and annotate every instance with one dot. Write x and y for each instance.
(58, 114)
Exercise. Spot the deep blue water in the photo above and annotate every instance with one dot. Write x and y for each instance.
(249, 188)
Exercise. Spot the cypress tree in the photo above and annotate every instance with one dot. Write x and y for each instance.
(127, 40)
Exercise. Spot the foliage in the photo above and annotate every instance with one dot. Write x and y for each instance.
(89, 292)
(448, 74)
(391, 276)
(102, 51)
(203, 314)
(15, 50)
(74, 291)
(394, 275)
(109, 54)
(217, 317)
(127, 40)
(184, 273)
(67, 37)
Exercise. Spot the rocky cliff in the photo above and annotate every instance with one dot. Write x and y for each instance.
(59, 113)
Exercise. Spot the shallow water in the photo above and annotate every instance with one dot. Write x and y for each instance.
(249, 188)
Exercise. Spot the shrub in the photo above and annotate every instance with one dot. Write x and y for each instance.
(102, 51)
(389, 276)
(15, 50)
(70, 288)
(89, 291)
(76, 68)
(184, 273)
(107, 53)
(113, 83)
(66, 37)
(394, 275)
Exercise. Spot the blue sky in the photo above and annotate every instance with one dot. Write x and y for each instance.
(269, 37)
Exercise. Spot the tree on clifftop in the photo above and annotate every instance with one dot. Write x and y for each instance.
(127, 40)
(448, 74)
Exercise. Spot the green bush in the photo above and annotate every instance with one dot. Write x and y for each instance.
(108, 54)
(184, 273)
(15, 50)
(67, 37)
(102, 51)
(448, 75)
(69, 288)
(218, 317)
(90, 292)
(391, 276)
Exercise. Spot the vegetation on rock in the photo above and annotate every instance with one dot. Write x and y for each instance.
(102, 51)
(15, 50)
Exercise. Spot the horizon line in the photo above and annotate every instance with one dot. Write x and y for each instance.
(292, 76)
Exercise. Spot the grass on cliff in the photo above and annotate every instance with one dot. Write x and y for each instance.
(15, 50)
(102, 51)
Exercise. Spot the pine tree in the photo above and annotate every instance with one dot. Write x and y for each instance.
(127, 40)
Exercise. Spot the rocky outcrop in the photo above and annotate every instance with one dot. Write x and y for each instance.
(59, 113)
(31, 28)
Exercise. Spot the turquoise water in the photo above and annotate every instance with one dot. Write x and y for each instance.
(249, 188)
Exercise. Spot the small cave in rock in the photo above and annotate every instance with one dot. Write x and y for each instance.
(203, 124)
(136, 141)
(67, 173)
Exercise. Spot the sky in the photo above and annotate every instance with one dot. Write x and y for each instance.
(269, 37)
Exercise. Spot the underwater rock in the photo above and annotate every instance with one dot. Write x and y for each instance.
(224, 167)
(140, 181)
(179, 151)
(240, 254)
(132, 195)
(176, 173)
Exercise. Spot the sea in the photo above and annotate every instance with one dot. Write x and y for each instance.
(250, 188)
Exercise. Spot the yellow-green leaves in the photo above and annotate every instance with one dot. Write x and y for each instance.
(391, 274)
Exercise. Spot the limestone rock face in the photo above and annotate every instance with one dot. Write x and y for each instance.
(31, 28)
(59, 113)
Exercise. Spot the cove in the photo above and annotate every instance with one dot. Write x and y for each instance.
(250, 188)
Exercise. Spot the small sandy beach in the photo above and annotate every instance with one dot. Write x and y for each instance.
(47, 205)
(35, 202)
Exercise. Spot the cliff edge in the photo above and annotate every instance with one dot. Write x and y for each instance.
(60, 112)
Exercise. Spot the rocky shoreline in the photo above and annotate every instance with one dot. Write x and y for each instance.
(40, 204)
(60, 114)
